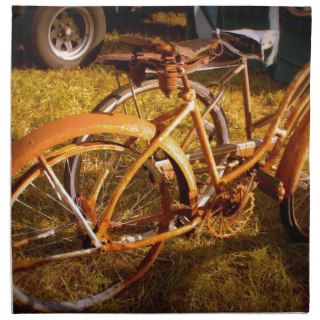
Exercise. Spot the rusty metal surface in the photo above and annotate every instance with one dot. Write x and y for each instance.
(294, 157)
(49, 135)
(246, 98)
(301, 108)
(160, 237)
(193, 48)
(190, 49)
(263, 121)
(204, 142)
(231, 73)
(296, 109)
(54, 132)
(155, 44)
(148, 261)
(272, 129)
(270, 185)
(153, 146)
(168, 77)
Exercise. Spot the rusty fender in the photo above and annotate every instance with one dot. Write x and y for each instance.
(294, 156)
(47, 136)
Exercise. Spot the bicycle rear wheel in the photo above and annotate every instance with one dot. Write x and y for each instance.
(141, 102)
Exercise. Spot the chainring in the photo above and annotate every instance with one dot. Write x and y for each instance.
(230, 212)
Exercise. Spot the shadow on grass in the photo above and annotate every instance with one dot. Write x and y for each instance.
(261, 272)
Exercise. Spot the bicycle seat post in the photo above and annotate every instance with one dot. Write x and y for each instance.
(187, 93)
(168, 74)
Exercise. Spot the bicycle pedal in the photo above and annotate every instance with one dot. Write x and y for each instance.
(270, 185)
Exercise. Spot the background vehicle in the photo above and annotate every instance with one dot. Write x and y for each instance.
(61, 37)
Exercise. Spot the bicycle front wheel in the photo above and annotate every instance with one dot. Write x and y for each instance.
(293, 169)
(55, 265)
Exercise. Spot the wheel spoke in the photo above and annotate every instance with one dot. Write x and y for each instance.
(68, 46)
(301, 200)
(54, 33)
(31, 263)
(52, 198)
(143, 197)
(42, 235)
(26, 205)
(75, 37)
(138, 220)
(58, 44)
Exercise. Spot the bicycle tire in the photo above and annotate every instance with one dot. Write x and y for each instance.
(289, 217)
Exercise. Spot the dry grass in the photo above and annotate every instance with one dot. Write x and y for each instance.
(167, 18)
(259, 270)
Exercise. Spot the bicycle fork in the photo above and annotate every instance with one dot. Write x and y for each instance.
(154, 145)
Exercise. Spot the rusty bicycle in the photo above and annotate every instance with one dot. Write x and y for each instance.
(129, 185)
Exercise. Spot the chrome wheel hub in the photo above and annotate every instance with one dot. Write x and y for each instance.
(71, 32)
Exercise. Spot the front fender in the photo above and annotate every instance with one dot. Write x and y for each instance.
(294, 157)
(68, 128)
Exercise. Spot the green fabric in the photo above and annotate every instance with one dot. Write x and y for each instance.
(284, 71)
(298, 25)
(294, 48)
(237, 17)
(191, 27)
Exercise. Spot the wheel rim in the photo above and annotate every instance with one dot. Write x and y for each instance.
(71, 32)
(127, 268)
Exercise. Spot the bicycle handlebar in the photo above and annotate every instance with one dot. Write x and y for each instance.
(154, 45)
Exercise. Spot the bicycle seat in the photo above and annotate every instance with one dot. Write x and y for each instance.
(246, 42)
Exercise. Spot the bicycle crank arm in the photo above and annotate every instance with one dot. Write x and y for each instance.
(270, 185)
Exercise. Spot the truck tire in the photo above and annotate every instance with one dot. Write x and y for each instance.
(67, 37)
